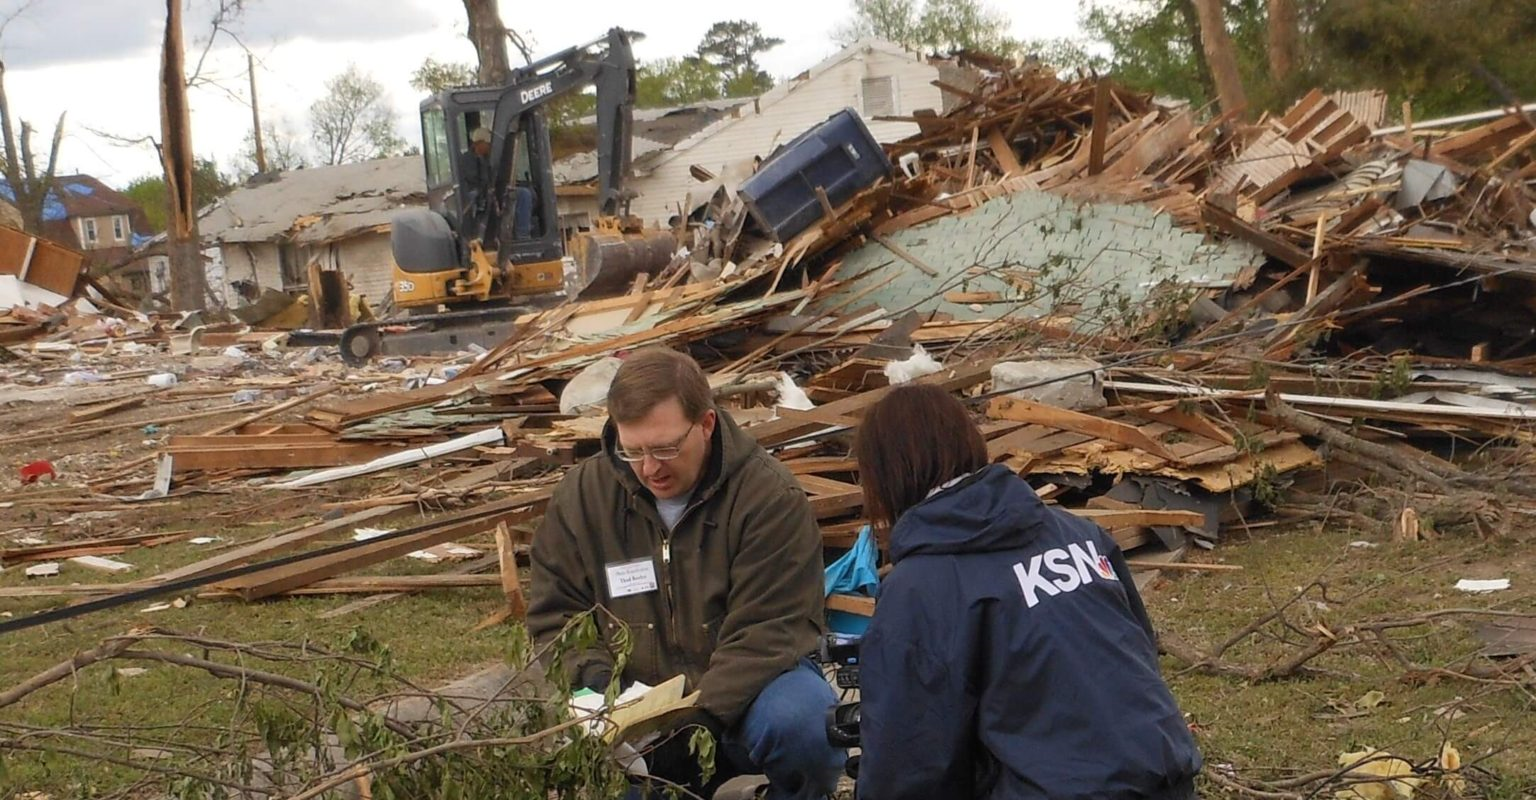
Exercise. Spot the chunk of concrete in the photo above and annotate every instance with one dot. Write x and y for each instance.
(1073, 383)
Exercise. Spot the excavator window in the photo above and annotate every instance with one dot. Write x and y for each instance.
(435, 148)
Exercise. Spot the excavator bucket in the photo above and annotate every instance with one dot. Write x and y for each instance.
(607, 261)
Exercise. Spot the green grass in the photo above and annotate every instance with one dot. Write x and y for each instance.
(1303, 724)
(428, 635)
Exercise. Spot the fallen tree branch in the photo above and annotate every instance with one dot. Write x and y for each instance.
(64, 669)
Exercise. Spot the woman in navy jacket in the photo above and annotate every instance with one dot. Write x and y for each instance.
(1010, 655)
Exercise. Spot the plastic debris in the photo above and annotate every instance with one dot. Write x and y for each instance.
(791, 395)
(30, 473)
(80, 377)
(164, 380)
(46, 569)
(918, 365)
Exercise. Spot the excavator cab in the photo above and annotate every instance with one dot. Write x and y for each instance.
(496, 203)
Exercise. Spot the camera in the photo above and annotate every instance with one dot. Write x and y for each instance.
(841, 652)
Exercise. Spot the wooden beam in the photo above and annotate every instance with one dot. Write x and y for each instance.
(952, 380)
(1078, 422)
(1272, 246)
(1100, 132)
(1003, 152)
(511, 582)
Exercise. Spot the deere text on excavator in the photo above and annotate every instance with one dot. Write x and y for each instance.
(490, 245)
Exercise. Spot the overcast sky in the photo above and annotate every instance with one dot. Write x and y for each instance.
(98, 60)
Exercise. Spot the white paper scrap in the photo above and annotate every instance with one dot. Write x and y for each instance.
(1479, 587)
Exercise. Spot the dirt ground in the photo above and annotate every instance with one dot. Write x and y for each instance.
(1257, 732)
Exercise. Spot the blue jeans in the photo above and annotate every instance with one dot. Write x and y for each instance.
(783, 736)
(522, 214)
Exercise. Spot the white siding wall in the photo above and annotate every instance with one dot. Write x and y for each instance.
(255, 262)
(729, 151)
(368, 262)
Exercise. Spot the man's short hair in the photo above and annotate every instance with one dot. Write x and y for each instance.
(650, 377)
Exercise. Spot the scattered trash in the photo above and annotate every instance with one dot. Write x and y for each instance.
(245, 396)
(589, 389)
(46, 569)
(164, 380)
(1482, 586)
(101, 564)
(81, 377)
(448, 551)
(204, 540)
(917, 366)
(791, 395)
(31, 473)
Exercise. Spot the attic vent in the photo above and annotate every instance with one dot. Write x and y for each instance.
(879, 96)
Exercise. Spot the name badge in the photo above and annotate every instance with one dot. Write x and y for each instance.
(631, 577)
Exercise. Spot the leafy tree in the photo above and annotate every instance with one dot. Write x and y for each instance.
(1444, 56)
(433, 76)
(353, 121)
(149, 192)
(930, 25)
(732, 47)
(677, 82)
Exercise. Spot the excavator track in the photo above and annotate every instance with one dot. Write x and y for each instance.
(428, 333)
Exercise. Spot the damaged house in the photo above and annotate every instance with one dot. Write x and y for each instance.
(270, 231)
(876, 78)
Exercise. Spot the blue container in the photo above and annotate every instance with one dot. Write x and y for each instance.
(840, 155)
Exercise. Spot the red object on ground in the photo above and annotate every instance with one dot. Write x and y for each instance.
(37, 469)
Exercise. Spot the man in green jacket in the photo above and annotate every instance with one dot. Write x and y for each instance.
(703, 546)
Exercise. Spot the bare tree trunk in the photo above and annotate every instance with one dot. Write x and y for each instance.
(1283, 33)
(28, 189)
(1186, 12)
(189, 283)
(1220, 55)
(489, 37)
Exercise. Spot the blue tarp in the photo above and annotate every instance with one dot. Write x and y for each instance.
(854, 573)
(53, 210)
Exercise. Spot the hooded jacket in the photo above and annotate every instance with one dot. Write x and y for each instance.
(739, 579)
(1010, 656)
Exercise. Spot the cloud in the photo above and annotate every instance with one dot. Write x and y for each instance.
(55, 32)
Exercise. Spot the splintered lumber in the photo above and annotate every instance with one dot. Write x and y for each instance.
(105, 409)
(275, 451)
(467, 568)
(299, 536)
(1052, 417)
(511, 582)
(782, 430)
(286, 577)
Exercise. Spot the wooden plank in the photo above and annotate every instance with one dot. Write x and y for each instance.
(511, 582)
(903, 254)
(817, 485)
(852, 604)
(1139, 517)
(1003, 152)
(277, 580)
(275, 456)
(1193, 422)
(1078, 422)
(105, 409)
(819, 465)
(1100, 132)
(831, 505)
(1272, 246)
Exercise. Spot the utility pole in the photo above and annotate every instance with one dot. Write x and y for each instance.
(261, 152)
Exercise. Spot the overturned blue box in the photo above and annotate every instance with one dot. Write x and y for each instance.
(839, 155)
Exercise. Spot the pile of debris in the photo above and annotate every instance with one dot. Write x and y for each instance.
(1173, 327)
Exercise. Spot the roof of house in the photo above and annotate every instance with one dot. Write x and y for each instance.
(320, 204)
(766, 101)
(77, 196)
(653, 132)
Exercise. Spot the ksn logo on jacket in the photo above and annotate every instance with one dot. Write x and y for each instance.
(1060, 570)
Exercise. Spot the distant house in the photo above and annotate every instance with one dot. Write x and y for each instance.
(268, 232)
(83, 213)
(874, 77)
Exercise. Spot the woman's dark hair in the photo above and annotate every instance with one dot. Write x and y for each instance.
(913, 440)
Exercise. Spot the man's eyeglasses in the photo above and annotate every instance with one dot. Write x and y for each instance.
(663, 453)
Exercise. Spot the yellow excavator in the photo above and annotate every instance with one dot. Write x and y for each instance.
(490, 245)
